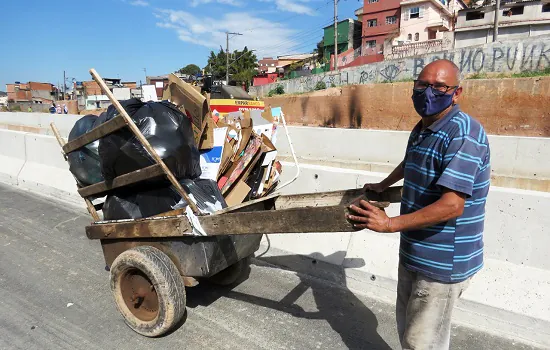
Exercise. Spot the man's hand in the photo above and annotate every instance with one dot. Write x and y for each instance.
(368, 216)
(374, 187)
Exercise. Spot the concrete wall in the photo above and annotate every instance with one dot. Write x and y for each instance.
(511, 295)
(515, 107)
(501, 57)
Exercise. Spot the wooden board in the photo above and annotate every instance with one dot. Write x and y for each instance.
(391, 195)
(296, 220)
(145, 228)
(123, 180)
(95, 134)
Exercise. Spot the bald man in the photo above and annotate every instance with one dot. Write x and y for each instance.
(446, 173)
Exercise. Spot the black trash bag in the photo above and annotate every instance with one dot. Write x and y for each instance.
(121, 206)
(132, 204)
(84, 163)
(168, 131)
(205, 193)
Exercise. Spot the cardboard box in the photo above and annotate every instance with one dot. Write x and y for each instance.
(237, 194)
(211, 159)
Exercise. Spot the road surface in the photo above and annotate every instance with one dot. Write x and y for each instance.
(54, 294)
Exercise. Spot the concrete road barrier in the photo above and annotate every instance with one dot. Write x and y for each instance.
(12, 155)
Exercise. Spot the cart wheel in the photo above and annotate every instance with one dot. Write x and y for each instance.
(148, 290)
(232, 273)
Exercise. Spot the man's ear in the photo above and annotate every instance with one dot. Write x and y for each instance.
(457, 94)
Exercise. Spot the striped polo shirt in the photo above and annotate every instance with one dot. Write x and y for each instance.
(452, 153)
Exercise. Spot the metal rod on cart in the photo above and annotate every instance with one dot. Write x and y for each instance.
(144, 141)
(61, 141)
(293, 155)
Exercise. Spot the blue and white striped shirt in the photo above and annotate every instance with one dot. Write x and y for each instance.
(452, 153)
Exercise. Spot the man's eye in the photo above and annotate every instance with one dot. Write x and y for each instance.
(440, 87)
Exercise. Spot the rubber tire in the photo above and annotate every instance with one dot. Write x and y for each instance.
(231, 274)
(168, 283)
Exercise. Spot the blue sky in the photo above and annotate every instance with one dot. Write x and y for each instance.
(119, 38)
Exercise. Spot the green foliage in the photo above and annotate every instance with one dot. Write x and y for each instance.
(536, 73)
(278, 90)
(332, 85)
(16, 108)
(320, 51)
(320, 85)
(242, 65)
(190, 69)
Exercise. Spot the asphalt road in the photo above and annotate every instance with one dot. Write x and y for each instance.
(54, 294)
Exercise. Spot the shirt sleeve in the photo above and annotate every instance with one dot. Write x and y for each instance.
(461, 163)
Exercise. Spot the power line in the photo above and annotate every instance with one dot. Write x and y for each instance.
(289, 18)
(300, 35)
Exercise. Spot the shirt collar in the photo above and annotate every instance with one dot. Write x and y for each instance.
(435, 127)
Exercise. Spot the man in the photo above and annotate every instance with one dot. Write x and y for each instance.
(446, 174)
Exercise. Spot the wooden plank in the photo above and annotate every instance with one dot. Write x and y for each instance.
(95, 134)
(150, 172)
(323, 199)
(133, 127)
(158, 227)
(296, 220)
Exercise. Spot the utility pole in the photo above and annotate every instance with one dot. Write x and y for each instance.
(495, 29)
(335, 35)
(227, 55)
(64, 86)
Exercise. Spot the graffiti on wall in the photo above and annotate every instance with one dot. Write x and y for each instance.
(498, 59)
(507, 57)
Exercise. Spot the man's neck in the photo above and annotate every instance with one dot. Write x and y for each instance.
(427, 121)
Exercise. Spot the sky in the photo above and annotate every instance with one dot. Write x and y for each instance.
(123, 38)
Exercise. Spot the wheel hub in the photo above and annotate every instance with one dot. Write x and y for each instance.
(140, 295)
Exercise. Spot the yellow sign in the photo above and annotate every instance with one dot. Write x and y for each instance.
(229, 102)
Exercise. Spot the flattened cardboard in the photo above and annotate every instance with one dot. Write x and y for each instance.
(245, 163)
(237, 194)
(195, 105)
(207, 139)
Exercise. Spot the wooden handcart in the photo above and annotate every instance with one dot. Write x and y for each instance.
(152, 260)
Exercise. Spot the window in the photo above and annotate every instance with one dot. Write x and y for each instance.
(472, 16)
(432, 35)
(370, 43)
(414, 12)
(518, 10)
(371, 23)
(546, 8)
(416, 36)
(391, 20)
(372, 1)
(409, 37)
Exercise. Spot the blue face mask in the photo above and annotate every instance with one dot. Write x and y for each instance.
(426, 103)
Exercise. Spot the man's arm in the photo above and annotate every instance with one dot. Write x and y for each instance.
(449, 206)
(397, 174)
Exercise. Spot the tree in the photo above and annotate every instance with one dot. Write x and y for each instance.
(320, 51)
(190, 69)
(242, 65)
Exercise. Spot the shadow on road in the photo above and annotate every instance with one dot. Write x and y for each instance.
(347, 315)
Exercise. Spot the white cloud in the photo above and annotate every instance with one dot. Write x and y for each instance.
(195, 3)
(295, 6)
(268, 38)
(139, 3)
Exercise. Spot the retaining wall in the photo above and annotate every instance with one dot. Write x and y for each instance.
(511, 295)
(511, 56)
(517, 107)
